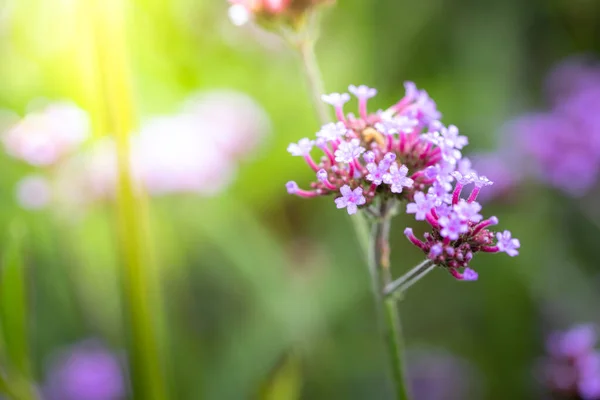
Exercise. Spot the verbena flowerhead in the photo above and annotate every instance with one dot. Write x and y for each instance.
(266, 12)
(458, 230)
(387, 154)
(572, 366)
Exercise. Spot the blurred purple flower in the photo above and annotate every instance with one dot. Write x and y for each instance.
(572, 75)
(572, 367)
(438, 375)
(86, 371)
(562, 153)
(495, 166)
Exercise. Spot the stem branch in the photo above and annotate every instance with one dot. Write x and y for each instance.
(410, 278)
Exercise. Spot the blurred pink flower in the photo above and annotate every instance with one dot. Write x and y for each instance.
(233, 120)
(195, 150)
(33, 192)
(44, 137)
(173, 154)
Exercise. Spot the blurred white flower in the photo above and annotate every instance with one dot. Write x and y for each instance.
(42, 138)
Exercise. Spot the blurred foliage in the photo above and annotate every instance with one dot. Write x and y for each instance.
(265, 294)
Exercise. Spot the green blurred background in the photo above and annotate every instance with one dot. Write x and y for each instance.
(264, 295)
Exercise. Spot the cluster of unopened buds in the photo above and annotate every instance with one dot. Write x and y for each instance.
(404, 153)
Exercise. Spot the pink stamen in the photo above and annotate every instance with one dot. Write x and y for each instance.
(473, 194)
(456, 274)
(329, 154)
(456, 193)
(351, 172)
(417, 175)
(362, 108)
(432, 220)
(434, 213)
(305, 193)
(311, 162)
(339, 113)
(433, 160)
(484, 224)
(373, 188)
(402, 142)
(425, 152)
(399, 106)
(390, 142)
(490, 249)
(359, 166)
(413, 239)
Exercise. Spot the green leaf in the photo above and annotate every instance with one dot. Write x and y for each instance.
(13, 303)
(14, 314)
(285, 383)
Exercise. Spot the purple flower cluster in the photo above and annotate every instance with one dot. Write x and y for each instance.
(458, 230)
(388, 153)
(572, 367)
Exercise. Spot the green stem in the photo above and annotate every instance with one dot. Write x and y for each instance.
(139, 291)
(377, 253)
(306, 47)
(379, 267)
(410, 278)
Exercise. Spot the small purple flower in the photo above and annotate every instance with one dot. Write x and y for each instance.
(470, 275)
(362, 92)
(398, 124)
(443, 210)
(377, 172)
(426, 108)
(421, 206)
(292, 187)
(348, 151)
(302, 148)
(465, 167)
(332, 131)
(397, 178)
(452, 138)
(350, 199)
(336, 99)
(441, 192)
(481, 181)
(508, 244)
(464, 179)
(411, 91)
(453, 226)
(468, 211)
(369, 157)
